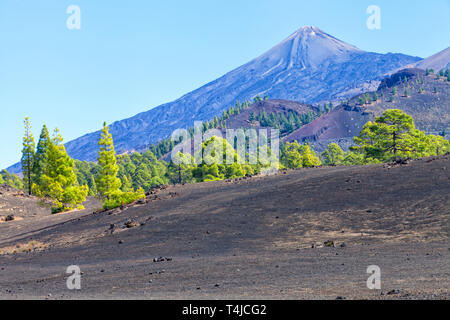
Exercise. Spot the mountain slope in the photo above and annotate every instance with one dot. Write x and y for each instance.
(244, 120)
(428, 103)
(309, 66)
(440, 60)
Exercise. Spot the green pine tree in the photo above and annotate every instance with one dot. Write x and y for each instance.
(107, 180)
(126, 184)
(388, 137)
(40, 159)
(28, 156)
(59, 181)
(92, 187)
(333, 155)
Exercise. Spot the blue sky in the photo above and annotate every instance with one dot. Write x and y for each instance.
(130, 56)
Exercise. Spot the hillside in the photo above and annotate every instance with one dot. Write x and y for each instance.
(428, 102)
(243, 120)
(279, 108)
(261, 238)
(309, 66)
(440, 60)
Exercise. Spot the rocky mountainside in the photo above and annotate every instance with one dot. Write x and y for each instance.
(425, 98)
(309, 66)
(243, 120)
(439, 61)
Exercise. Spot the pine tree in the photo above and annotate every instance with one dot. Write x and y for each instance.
(40, 159)
(394, 91)
(107, 180)
(126, 184)
(333, 155)
(388, 137)
(28, 156)
(92, 187)
(309, 158)
(59, 181)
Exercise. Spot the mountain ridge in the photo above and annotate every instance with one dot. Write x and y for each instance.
(309, 66)
(425, 98)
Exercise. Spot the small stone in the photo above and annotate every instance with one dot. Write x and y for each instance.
(120, 242)
(343, 245)
(395, 291)
(131, 224)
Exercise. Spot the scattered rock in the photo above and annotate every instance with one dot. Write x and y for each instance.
(395, 291)
(131, 224)
(120, 242)
(161, 259)
(343, 245)
(9, 217)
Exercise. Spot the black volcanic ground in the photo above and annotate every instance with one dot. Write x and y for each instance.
(250, 238)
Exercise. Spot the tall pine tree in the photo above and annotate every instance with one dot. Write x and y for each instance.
(40, 159)
(107, 180)
(28, 156)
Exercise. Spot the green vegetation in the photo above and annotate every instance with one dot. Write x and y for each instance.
(28, 156)
(11, 180)
(107, 183)
(294, 155)
(393, 136)
(123, 179)
(58, 180)
(333, 155)
(215, 165)
(41, 155)
(286, 124)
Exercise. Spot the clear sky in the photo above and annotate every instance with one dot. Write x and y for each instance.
(130, 56)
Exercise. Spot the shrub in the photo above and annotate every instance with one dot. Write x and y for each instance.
(119, 198)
